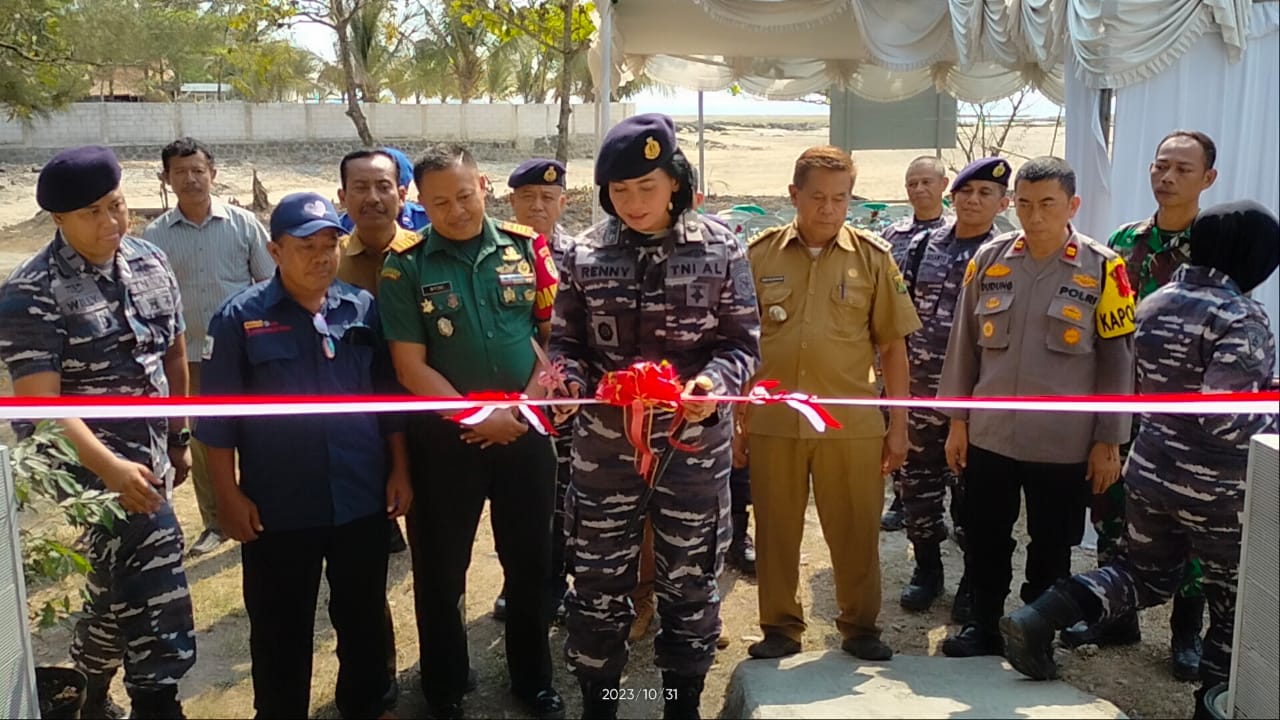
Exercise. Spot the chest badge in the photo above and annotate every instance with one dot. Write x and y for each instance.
(508, 294)
(988, 329)
(523, 268)
(852, 272)
(1085, 281)
(1071, 336)
(453, 302)
(509, 254)
(445, 326)
(777, 313)
(993, 303)
(428, 307)
(997, 270)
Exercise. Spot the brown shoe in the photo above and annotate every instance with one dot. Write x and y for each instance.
(774, 645)
(644, 618)
(722, 642)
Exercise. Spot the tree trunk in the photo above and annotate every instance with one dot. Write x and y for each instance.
(349, 79)
(566, 84)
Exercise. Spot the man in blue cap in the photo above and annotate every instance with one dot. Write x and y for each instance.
(97, 312)
(933, 265)
(412, 215)
(314, 491)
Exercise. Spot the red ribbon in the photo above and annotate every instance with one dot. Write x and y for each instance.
(639, 390)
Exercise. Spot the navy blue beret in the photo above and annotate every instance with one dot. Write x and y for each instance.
(538, 171)
(77, 177)
(991, 169)
(634, 147)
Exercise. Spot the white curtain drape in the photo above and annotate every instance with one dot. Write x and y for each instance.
(1087, 153)
(1237, 104)
(888, 50)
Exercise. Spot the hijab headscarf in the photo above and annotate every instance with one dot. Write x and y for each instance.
(1241, 239)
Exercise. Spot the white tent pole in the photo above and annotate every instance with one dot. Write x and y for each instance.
(702, 149)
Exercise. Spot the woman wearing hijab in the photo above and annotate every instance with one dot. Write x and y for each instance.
(653, 282)
(1185, 476)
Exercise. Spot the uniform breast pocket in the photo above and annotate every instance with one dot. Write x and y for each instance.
(273, 362)
(693, 303)
(993, 320)
(91, 325)
(155, 304)
(1070, 327)
(355, 360)
(849, 308)
(776, 307)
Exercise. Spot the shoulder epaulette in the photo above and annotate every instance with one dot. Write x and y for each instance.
(872, 239)
(403, 242)
(515, 228)
(765, 233)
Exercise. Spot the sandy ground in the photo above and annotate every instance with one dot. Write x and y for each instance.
(746, 162)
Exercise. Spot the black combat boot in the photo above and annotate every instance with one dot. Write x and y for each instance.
(682, 694)
(1185, 644)
(1122, 630)
(156, 703)
(742, 552)
(600, 698)
(97, 698)
(1028, 632)
(926, 580)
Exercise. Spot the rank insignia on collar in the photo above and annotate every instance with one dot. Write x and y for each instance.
(1071, 251)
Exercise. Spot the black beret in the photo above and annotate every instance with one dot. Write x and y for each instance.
(634, 147)
(991, 169)
(77, 177)
(537, 171)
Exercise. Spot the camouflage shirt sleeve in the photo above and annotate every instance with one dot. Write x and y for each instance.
(569, 323)
(963, 360)
(32, 333)
(1240, 361)
(737, 353)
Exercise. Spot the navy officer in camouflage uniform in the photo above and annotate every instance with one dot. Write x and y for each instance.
(97, 312)
(925, 183)
(933, 264)
(1185, 476)
(654, 281)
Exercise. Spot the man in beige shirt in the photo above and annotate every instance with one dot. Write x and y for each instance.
(1042, 311)
(830, 297)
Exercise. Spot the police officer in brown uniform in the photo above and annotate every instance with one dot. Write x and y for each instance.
(830, 297)
(1042, 311)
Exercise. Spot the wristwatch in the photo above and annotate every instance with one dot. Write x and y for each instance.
(180, 439)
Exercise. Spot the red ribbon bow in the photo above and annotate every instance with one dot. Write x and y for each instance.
(639, 390)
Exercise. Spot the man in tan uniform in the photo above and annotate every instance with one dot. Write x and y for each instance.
(830, 298)
(1042, 311)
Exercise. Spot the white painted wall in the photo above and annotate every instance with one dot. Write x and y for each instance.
(237, 122)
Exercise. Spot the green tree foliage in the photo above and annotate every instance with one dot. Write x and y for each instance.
(37, 71)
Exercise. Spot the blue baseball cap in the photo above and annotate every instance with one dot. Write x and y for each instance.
(302, 215)
(404, 166)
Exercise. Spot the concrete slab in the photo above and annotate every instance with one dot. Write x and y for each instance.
(833, 684)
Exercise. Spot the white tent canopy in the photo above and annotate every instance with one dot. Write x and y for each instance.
(977, 50)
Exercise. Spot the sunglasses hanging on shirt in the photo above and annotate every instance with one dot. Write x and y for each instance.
(322, 327)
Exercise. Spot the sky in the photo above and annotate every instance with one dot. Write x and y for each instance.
(319, 40)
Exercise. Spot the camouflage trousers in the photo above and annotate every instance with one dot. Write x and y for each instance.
(139, 609)
(1107, 514)
(1165, 530)
(690, 516)
(923, 481)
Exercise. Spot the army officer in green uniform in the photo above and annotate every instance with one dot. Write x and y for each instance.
(458, 309)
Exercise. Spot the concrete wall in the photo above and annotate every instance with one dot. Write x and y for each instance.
(235, 123)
